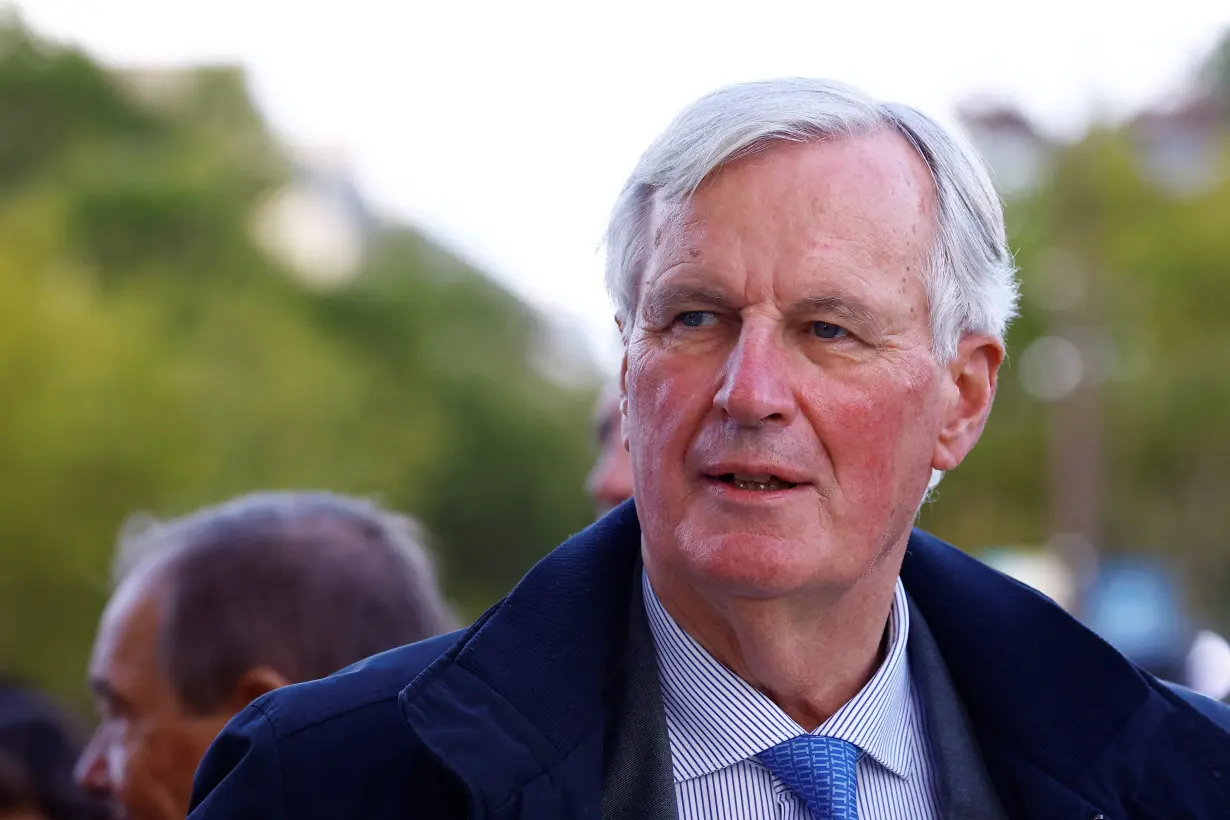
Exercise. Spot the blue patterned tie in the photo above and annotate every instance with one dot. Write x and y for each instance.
(821, 771)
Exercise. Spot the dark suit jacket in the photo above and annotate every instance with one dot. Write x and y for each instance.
(521, 716)
(636, 782)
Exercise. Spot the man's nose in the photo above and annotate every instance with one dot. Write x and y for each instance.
(756, 386)
(610, 481)
(91, 770)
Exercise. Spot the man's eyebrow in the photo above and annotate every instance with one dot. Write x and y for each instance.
(664, 298)
(843, 308)
(670, 297)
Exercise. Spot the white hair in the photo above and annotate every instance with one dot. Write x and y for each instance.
(970, 280)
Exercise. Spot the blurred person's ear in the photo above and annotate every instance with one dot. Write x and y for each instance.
(254, 683)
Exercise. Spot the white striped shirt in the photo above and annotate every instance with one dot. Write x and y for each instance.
(717, 723)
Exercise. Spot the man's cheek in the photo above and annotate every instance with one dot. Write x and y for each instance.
(866, 437)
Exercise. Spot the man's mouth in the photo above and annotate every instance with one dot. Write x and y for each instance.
(763, 482)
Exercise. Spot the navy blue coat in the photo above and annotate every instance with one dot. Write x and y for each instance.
(507, 719)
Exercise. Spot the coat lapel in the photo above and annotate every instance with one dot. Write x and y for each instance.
(966, 790)
(637, 783)
(555, 694)
(518, 708)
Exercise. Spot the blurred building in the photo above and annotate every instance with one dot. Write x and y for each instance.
(1178, 145)
(1017, 153)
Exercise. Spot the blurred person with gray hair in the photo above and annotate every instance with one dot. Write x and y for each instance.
(609, 482)
(212, 610)
(813, 290)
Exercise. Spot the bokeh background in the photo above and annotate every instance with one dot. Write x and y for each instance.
(200, 296)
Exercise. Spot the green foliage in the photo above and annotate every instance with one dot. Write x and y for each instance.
(153, 357)
(1155, 269)
(51, 98)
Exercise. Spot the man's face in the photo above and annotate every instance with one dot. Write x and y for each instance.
(784, 406)
(147, 747)
(610, 481)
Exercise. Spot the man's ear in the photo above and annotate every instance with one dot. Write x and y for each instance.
(254, 683)
(971, 379)
(623, 400)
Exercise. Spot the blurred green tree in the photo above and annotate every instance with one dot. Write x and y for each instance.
(153, 356)
(1151, 260)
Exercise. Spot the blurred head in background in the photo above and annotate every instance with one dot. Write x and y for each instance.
(610, 480)
(215, 609)
(38, 744)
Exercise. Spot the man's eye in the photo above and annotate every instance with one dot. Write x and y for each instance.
(696, 318)
(828, 330)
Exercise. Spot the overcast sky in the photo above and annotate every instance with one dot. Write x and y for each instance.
(506, 129)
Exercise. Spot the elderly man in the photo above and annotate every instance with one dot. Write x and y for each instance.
(609, 483)
(813, 290)
(230, 603)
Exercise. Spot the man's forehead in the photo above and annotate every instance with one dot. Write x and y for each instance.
(828, 213)
(870, 190)
(128, 629)
(677, 229)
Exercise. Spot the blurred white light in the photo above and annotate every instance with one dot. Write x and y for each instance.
(1051, 368)
(312, 235)
(1043, 571)
(1208, 665)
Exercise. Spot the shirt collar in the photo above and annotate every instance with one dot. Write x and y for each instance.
(715, 719)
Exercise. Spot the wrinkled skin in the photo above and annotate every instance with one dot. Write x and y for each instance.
(610, 480)
(143, 755)
(782, 328)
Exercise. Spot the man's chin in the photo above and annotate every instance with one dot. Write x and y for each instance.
(756, 565)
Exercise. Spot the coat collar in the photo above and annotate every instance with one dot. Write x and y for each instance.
(530, 682)
(1006, 646)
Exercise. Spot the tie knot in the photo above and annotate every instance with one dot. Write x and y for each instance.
(819, 769)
